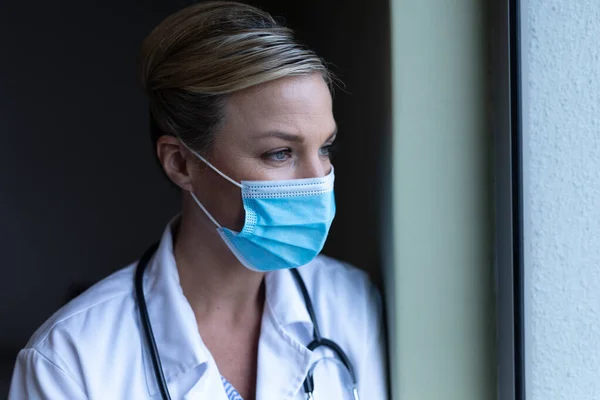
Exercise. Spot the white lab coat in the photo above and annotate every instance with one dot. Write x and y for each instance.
(94, 348)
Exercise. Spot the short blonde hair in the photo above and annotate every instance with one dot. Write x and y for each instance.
(195, 58)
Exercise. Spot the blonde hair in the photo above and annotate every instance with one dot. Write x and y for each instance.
(193, 60)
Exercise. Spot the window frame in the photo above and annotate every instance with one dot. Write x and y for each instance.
(507, 68)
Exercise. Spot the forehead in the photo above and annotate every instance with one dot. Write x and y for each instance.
(300, 105)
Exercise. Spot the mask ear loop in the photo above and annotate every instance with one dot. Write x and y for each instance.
(205, 161)
(205, 210)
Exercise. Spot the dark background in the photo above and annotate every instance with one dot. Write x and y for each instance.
(80, 193)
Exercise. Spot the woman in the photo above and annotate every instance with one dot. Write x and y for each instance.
(242, 122)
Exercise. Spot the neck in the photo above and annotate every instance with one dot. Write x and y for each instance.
(215, 283)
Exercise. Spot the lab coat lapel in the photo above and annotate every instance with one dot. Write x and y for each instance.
(182, 353)
(283, 362)
(209, 387)
(283, 358)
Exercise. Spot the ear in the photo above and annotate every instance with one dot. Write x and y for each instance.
(175, 160)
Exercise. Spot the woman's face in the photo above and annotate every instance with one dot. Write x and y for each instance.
(279, 130)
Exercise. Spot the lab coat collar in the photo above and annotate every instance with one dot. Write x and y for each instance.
(179, 343)
(173, 322)
(282, 347)
(285, 301)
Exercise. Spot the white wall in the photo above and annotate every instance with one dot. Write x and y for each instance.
(562, 133)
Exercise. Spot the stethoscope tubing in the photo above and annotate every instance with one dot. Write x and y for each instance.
(318, 340)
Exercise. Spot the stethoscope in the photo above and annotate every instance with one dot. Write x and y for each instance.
(318, 340)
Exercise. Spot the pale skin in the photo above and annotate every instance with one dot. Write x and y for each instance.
(278, 130)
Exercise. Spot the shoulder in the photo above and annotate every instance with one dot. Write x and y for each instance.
(340, 290)
(88, 313)
(75, 350)
(326, 274)
(329, 272)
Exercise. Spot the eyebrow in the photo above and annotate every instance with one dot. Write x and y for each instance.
(292, 137)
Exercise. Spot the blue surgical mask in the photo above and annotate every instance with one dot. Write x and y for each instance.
(286, 222)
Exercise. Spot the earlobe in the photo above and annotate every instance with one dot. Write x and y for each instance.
(173, 161)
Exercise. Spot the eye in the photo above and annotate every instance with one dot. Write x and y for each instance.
(327, 150)
(278, 156)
